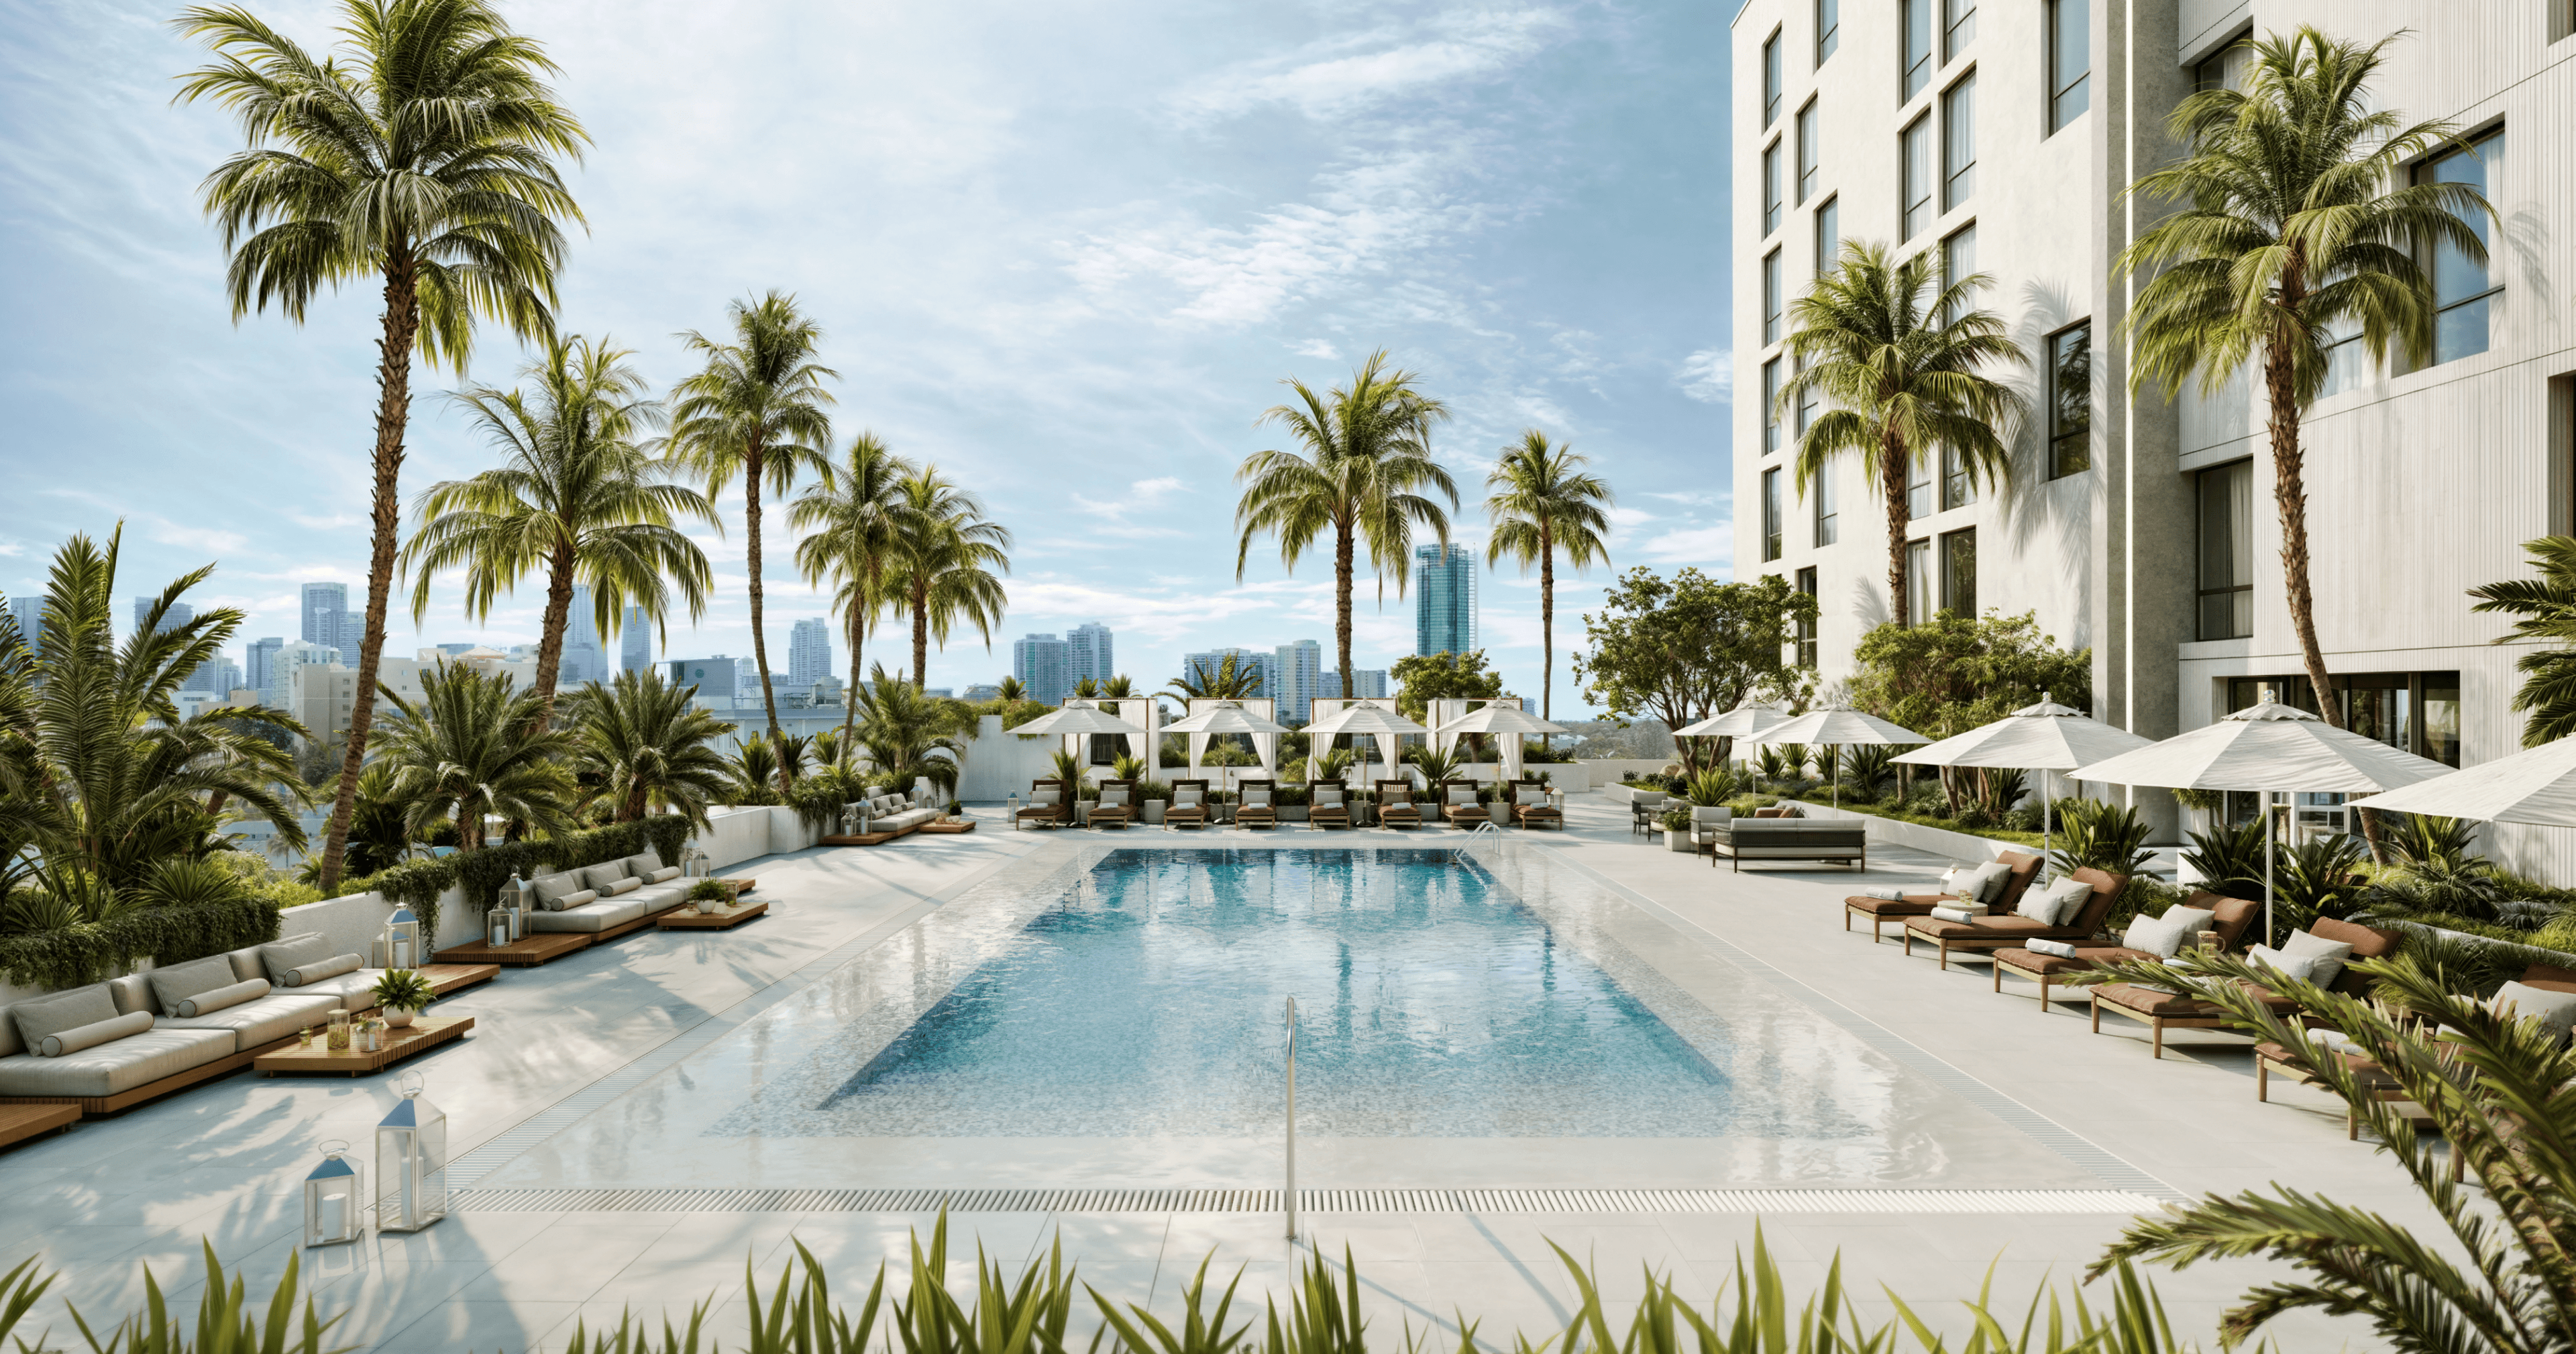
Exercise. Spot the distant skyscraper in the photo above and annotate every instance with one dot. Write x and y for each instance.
(1299, 665)
(1444, 600)
(713, 677)
(809, 652)
(29, 613)
(636, 641)
(328, 620)
(1372, 683)
(259, 659)
(1040, 662)
(216, 676)
(179, 614)
(1087, 654)
(1261, 663)
(280, 691)
(582, 660)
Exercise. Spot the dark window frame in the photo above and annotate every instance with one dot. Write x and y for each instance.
(1809, 166)
(1958, 487)
(1772, 529)
(1772, 203)
(1828, 253)
(1958, 27)
(1829, 30)
(1771, 406)
(1773, 78)
(1958, 594)
(1914, 68)
(2071, 99)
(1773, 298)
(1807, 586)
(2423, 171)
(2235, 599)
(1958, 176)
(1914, 210)
(1827, 514)
(2064, 435)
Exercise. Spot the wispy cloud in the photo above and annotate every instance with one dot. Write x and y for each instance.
(1348, 73)
(1708, 375)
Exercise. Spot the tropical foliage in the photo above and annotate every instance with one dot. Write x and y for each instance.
(1682, 649)
(1953, 673)
(643, 746)
(854, 521)
(471, 747)
(1424, 678)
(1230, 680)
(2546, 608)
(911, 736)
(947, 567)
(1542, 504)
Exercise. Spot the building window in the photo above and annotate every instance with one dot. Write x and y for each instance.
(2463, 288)
(2227, 552)
(1807, 151)
(1959, 572)
(1958, 141)
(1829, 235)
(1770, 406)
(1771, 188)
(2070, 401)
(1828, 528)
(1958, 263)
(1958, 487)
(1914, 177)
(1958, 27)
(1829, 28)
(1918, 581)
(2418, 712)
(2224, 68)
(1918, 488)
(1807, 624)
(1771, 79)
(2348, 362)
(1806, 404)
(2070, 61)
(1771, 297)
(1771, 543)
(1915, 59)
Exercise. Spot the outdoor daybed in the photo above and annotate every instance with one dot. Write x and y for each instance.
(1535, 813)
(1459, 805)
(1395, 806)
(1257, 810)
(1049, 805)
(1117, 806)
(887, 814)
(2021, 867)
(2271, 1058)
(1841, 841)
(1331, 805)
(608, 899)
(1189, 804)
(2178, 1010)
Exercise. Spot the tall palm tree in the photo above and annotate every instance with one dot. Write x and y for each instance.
(472, 746)
(422, 155)
(1904, 361)
(576, 497)
(2300, 221)
(648, 747)
(944, 569)
(1541, 504)
(853, 522)
(1367, 462)
(757, 412)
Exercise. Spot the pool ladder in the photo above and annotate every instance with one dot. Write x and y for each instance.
(1289, 1197)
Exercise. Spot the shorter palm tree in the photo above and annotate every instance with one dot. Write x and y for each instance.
(1229, 681)
(474, 746)
(754, 768)
(1010, 691)
(854, 520)
(911, 736)
(1542, 503)
(1907, 366)
(648, 748)
(947, 565)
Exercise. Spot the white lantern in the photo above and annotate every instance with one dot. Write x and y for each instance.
(696, 863)
(496, 927)
(411, 1163)
(402, 940)
(517, 897)
(333, 1196)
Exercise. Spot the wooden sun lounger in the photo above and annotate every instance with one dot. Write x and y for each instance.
(1536, 813)
(1329, 815)
(1187, 815)
(1249, 814)
(1467, 815)
(2025, 868)
(1395, 806)
(2233, 915)
(1105, 814)
(2011, 929)
(1057, 814)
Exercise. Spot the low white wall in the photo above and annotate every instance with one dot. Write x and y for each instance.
(998, 763)
(1608, 770)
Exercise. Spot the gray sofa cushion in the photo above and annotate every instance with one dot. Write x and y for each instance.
(60, 1042)
(280, 958)
(133, 992)
(233, 994)
(304, 976)
(594, 917)
(656, 897)
(602, 875)
(619, 888)
(119, 1065)
(643, 863)
(664, 875)
(353, 990)
(554, 891)
(178, 982)
(253, 1024)
(60, 1011)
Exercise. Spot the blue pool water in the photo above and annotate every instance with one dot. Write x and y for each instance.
(1147, 1001)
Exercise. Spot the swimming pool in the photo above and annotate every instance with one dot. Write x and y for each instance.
(1146, 999)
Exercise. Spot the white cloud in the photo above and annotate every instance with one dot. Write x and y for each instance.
(1712, 548)
(1708, 375)
(1346, 74)
(1316, 348)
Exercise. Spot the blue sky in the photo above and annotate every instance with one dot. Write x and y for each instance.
(1067, 251)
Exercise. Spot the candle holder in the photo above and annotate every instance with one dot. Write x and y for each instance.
(337, 1040)
(411, 1162)
(402, 939)
(333, 1196)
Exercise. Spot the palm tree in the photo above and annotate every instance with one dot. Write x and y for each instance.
(575, 497)
(1120, 687)
(1541, 505)
(1010, 690)
(473, 746)
(757, 412)
(2300, 221)
(1367, 461)
(1903, 360)
(1087, 688)
(422, 155)
(944, 568)
(100, 778)
(904, 732)
(754, 768)
(648, 747)
(2547, 606)
(1230, 681)
(853, 521)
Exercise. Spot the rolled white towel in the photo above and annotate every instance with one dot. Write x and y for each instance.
(2337, 1041)
(1954, 914)
(2058, 948)
(1889, 894)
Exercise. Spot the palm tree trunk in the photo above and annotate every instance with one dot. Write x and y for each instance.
(1546, 622)
(550, 636)
(1892, 468)
(759, 641)
(1342, 607)
(401, 325)
(850, 699)
(921, 634)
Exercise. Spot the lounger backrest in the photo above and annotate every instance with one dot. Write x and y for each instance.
(1395, 792)
(2367, 942)
(2550, 977)
(2234, 914)
(2025, 868)
(2107, 888)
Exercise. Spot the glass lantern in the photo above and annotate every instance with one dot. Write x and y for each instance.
(696, 863)
(496, 927)
(517, 897)
(334, 1194)
(411, 1163)
(402, 939)
(337, 1039)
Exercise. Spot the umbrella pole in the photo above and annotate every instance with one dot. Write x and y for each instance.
(2270, 934)
(2047, 817)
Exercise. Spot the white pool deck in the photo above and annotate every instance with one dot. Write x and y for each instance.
(594, 1073)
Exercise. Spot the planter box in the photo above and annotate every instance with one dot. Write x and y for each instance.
(1677, 841)
(1154, 811)
(1292, 813)
(1630, 794)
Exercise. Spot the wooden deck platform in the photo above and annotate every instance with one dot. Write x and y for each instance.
(527, 951)
(18, 1123)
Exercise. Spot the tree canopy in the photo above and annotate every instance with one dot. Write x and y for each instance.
(1953, 673)
(1424, 678)
(1683, 648)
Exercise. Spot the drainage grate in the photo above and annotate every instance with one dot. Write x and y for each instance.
(1772, 1201)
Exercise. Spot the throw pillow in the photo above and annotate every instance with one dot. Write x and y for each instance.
(283, 956)
(1988, 881)
(2329, 954)
(1256, 796)
(2158, 936)
(554, 891)
(2556, 1011)
(320, 969)
(1330, 794)
(2194, 920)
(1044, 797)
(643, 863)
(666, 874)
(177, 983)
(1462, 796)
(1188, 796)
(2298, 967)
(65, 1011)
(207, 1003)
(73, 1040)
(2055, 905)
(602, 875)
(582, 899)
(1113, 798)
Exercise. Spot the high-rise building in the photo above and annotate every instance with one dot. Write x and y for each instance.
(326, 615)
(1444, 601)
(324, 696)
(809, 653)
(1040, 662)
(635, 640)
(1372, 683)
(713, 677)
(1087, 654)
(217, 676)
(179, 614)
(1261, 662)
(259, 660)
(1299, 665)
(282, 665)
(29, 614)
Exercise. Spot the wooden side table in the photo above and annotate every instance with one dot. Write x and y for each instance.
(420, 1036)
(689, 918)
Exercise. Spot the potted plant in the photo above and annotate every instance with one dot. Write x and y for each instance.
(1677, 825)
(712, 894)
(402, 993)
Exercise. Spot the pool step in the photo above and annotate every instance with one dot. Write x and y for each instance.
(1312, 1200)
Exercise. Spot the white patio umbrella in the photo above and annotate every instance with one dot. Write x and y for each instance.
(1222, 719)
(1079, 721)
(1501, 719)
(1360, 719)
(2044, 737)
(1740, 723)
(1836, 726)
(2535, 785)
(2265, 748)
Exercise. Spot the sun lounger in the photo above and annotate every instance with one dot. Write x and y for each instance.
(2025, 868)
(2180, 1011)
(1050, 805)
(1459, 806)
(1257, 810)
(1189, 805)
(1117, 806)
(1528, 798)
(1330, 805)
(2232, 916)
(2011, 929)
(1395, 806)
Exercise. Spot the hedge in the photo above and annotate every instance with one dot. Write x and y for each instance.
(92, 951)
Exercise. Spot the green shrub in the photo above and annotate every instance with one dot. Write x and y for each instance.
(93, 951)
